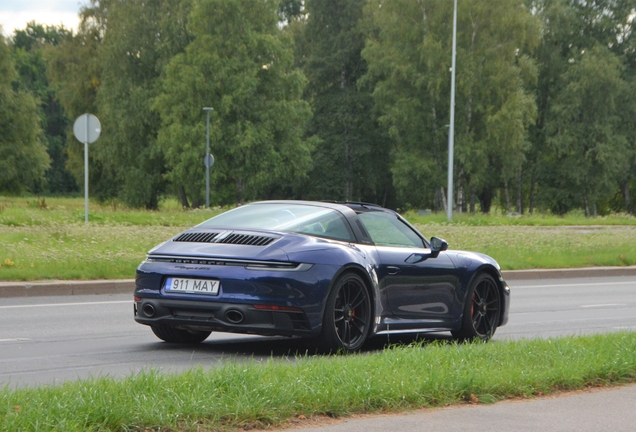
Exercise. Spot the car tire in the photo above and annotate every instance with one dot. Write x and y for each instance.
(482, 310)
(347, 317)
(174, 335)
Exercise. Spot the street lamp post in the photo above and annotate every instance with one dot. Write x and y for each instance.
(451, 130)
(207, 153)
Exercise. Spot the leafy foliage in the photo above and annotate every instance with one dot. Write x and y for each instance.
(23, 157)
(31, 46)
(585, 125)
(352, 157)
(409, 64)
(75, 70)
(142, 37)
(584, 142)
(240, 64)
(337, 99)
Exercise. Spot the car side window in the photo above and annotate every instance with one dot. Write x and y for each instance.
(330, 226)
(387, 230)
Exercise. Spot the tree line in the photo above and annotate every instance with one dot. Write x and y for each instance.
(329, 99)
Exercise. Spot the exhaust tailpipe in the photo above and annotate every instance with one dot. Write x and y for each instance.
(234, 316)
(149, 310)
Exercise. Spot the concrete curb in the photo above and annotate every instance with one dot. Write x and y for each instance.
(586, 272)
(127, 286)
(66, 288)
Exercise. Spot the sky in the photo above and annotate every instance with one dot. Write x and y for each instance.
(15, 14)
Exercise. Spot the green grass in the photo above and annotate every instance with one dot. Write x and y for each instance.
(46, 238)
(76, 251)
(524, 247)
(495, 218)
(28, 212)
(49, 239)
(245, 395)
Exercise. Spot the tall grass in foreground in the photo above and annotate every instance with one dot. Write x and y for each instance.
(251, 394)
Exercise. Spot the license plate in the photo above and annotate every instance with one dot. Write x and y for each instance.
(192, 286)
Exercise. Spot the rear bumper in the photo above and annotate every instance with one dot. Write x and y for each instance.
(224, 317)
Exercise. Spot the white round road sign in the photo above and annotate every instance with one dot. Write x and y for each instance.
(208, 160)
(87, 128)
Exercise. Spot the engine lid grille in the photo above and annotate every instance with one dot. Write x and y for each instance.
(247, 239)
(204, 237)
(233, 238)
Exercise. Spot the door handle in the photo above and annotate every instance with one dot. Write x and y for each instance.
(392, 270)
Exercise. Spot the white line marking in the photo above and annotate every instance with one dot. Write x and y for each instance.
(14, 340)
(604, 305)
(512, 286)
(65, 304)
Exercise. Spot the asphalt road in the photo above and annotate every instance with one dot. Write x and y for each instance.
(558, 307)
(46, 340)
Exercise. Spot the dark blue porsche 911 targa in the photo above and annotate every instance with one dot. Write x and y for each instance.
(333, 273)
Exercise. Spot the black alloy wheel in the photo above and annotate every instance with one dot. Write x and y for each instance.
(347, 317)
(174, 335)
(482, 310)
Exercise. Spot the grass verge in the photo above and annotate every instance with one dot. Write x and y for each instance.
(245, 395)
(526, 247)
(575, 217)
(47, 238)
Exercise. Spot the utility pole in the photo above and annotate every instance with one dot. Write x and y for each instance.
(207, 157)
(451, 129)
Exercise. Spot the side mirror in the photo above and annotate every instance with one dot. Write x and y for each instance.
(437, 245)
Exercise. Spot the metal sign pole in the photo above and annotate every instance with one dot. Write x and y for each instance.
(86, 173)
(207, 166)
(86, 133)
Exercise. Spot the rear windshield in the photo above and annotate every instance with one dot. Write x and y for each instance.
(298, 218)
